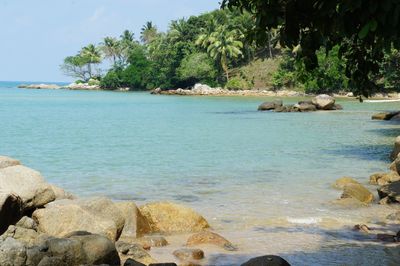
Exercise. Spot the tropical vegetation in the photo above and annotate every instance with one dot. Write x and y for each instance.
(242, 48)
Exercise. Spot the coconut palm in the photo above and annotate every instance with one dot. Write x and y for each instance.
(148, 32)
(111, 48)
(91, 56)
(222, 45)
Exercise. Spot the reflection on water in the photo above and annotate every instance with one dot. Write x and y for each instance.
(244, 170)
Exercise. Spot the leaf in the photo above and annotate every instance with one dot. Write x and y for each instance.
(373, 25)
(364, 31)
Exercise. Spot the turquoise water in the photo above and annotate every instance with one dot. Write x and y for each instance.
(244, 170)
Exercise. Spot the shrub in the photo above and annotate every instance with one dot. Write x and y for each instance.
(111, 80)
(237, 83)
(93, 82)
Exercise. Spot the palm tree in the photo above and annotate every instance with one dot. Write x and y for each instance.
(91, 56)
(177, 29)
(111, 48)
(222, 45)
(148, 32)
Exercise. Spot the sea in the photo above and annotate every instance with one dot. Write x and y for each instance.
(263, 180)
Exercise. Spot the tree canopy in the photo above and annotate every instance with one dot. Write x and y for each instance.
(363, 29)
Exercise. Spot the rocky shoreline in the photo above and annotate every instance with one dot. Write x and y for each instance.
(41, 224)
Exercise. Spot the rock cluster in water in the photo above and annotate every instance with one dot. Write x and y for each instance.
(41, 224)
(394, 116)
(205, 90)
(320, 102)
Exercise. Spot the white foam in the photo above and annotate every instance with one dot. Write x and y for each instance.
(307, 220)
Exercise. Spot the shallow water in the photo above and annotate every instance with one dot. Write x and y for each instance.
(263, 179)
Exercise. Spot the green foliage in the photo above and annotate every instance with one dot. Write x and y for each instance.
(111, 80)
(389, 74)
(237, 83)
(328, 77)
(362, 29)
(93, 82)
(197, 67)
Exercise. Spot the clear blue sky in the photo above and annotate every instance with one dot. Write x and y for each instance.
(37, 34)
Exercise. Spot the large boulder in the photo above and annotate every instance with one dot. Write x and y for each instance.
(382, 179)
(358, 192)
(391, 191)
(324, 102)
(28, 184)
(396, 149)
(136, 225)
(7, 162)
(24, 235)
(10, 210)
(266, 106)
(268, 260)
(166, 217)
(99, 216)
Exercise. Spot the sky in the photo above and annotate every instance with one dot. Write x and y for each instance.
(36, 35)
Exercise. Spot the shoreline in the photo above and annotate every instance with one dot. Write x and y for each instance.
(204, 90)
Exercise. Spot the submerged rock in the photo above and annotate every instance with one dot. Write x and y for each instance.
(304, 107)
(343, 181)
(40, 86)
(166, 217)
(210, 238)
(186, 254)
(269, 260)
(358, 192)
(134, 252)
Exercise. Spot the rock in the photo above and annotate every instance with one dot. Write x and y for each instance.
(210, 238)
(12, 253)
(40, 86)
(343, 181)
(324, 102)
(162, 264)
(350, 94)
(282, 109)
(395, 165)
(396, 149)
(386, 237)
(24, 235)
(349, 203)
(134, 252)
(136, 224)
(383, 178)
(61, 193)
(153, 241)
(385, 201)
(362, 228)
(52, 261)
(69, 250)
(394, 216)
(268, 260)
(98, 250)
(337, 107)
(7, 162)
(28, 184)
(131, 262)
(10, 210)
(98, 216)
(189, 254)
(395, 118)
(392, 191)
(34, 255)
(359, 192)
(166, 217)
(27, 223)
(82, 86)
(384, 115)
(266, 106)
(305, 107)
